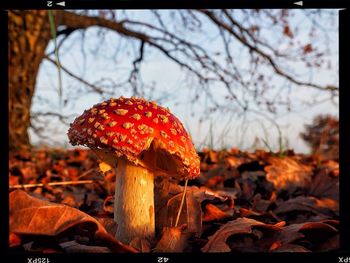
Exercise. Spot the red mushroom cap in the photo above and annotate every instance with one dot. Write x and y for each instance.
(140, 131)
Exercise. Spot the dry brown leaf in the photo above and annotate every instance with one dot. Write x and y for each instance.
(205, 193)
(325, 186)
(213, 213)
(141, 244)
(14, 180)
(317, 232)
(108, 204)
(244, 212)
(331, 222)
(260, 204)
(105, 239)
(109, 224)
(288, 174)
(267, 217)
(217, 242)
(191, 213)
(331, 166)
(174, 239)
(214, 176)
(291, 248)
(314, 232)
(290, 234)
(164, 189)
(275, 245)
(331, 244)
(29, 215)
(75, 247)
(311, 204)
(213, 156)
(234, 162)
(42, 247)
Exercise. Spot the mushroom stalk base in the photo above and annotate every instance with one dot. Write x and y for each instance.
(134, 202)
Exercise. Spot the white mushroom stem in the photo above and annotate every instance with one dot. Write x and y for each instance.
(134, 202)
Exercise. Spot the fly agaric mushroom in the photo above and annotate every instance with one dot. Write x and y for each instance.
(141, 140)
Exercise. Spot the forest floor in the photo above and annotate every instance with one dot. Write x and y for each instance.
(62, 201)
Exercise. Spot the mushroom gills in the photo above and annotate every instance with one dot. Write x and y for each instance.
(161, 162)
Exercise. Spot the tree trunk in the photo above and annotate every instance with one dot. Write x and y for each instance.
(29, 35)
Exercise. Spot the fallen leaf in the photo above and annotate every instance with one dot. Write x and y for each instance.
(213, 213)
(244, 243)
(260, 204)
(191, 213)
(213, 156)
(214, 177)
(74, 247)
(32, 216)
(205, 193)
(291, 248)
(108, 204)
(331, 167)
(313, 232)
(323, 207)
(141, 244)
(109, 224)
(325, 186)
(288, 174)
(29, 215)
(173, 240)
(290, 233)
(217, 242)
(329, 245)
(42, 247)
(105, 239)
(164, 189)
(317, 232)
(14, 180)
(275, 245)
(244, 212)
(234, 161)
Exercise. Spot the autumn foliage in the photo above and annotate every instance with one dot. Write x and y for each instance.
(62, 201)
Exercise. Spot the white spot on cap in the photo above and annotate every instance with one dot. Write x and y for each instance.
(121, 112)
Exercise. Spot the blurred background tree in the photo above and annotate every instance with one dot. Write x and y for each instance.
(322, 135)
(252, 67)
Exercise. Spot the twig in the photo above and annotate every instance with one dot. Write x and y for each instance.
(18, 186)
(92, 86)
(86, 173)
(181, 205)
(261, 53)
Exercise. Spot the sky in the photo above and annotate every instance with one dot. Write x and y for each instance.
(171, 83)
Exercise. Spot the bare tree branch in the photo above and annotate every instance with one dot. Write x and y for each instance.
(92, 86)
(255, 49)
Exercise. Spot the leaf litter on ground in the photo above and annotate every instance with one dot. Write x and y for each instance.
(242, 201)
